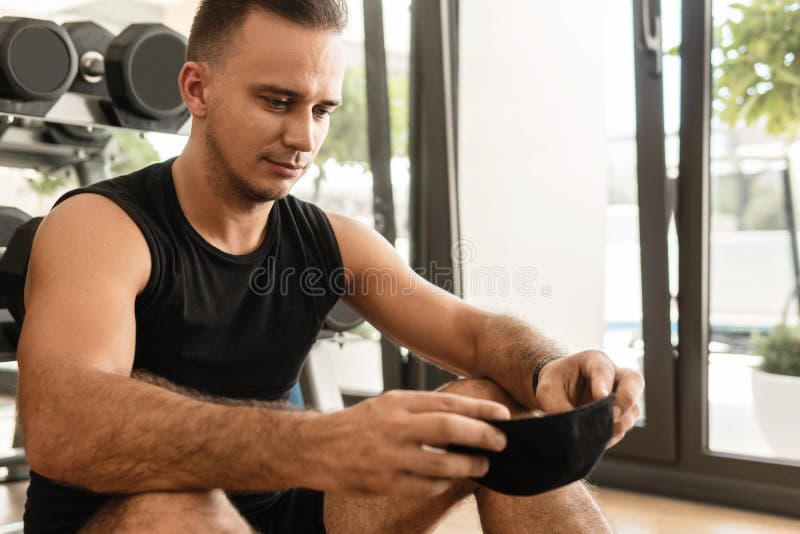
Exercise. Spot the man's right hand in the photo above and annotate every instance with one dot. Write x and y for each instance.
(376, 446)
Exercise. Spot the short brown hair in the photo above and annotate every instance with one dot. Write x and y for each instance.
(216, 21)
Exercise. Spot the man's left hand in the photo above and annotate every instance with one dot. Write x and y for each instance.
(587, 376)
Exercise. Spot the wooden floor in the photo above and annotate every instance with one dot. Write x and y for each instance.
(631, 513)
(634, 513)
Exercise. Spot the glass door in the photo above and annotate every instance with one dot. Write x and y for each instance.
(638, 302)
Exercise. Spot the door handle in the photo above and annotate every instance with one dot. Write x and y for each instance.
(651, 34)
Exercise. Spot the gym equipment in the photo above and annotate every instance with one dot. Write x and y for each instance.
(141, 67)
(57, 149)
(83, 136)
(91, 42)
(14, 265)
(37, 65)
(10, 219)
(317, 381)
(138, 69)
(14, 459)
(342, 318)
(37, 59)
(544, 453)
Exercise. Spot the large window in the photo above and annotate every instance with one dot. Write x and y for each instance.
(754, 364)
(736, 365)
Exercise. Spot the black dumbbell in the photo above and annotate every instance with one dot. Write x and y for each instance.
(342, 318)
(10, 219)
(91, 42)
(141, 67)
(14, 267)
(37, 59)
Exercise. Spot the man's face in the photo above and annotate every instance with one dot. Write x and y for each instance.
(269, 104)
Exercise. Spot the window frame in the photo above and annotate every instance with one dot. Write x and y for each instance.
(730, 479)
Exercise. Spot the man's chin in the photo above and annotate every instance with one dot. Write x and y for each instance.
(275, 192)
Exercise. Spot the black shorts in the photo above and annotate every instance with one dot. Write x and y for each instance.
(54, 508)
(296, 510)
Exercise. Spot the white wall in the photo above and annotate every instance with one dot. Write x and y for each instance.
(532, 159)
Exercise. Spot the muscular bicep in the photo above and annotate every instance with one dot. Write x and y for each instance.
(405, 307)
(88, 263)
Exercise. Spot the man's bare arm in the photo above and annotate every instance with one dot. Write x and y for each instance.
(405, 307)
(434, 324)
(507, 350)
(89, 424)
(118, 434)
(469, 341)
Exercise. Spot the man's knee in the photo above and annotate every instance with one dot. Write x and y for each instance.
(487, 389)
(169, 511)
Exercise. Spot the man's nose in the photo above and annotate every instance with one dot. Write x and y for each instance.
(299, 133)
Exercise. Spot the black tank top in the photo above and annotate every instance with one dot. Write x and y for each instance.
(238, 326)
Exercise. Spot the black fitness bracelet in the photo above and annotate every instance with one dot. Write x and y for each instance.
(538, 369)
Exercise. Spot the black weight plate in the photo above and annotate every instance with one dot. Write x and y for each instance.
(155, 66)
(10, 219)
(37, 59)
(142, 66)
(342, 318)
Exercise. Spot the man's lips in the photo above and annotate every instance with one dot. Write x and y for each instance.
(289, 170)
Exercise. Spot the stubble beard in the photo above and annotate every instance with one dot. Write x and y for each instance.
(226, 183)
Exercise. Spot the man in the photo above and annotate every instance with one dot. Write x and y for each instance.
(154, 364)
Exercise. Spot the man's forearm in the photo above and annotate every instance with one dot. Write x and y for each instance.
(507, 350)
(110, 433)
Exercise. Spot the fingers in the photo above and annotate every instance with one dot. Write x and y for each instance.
(599, 371)
(428, 401)
(630, 386)
(624, 424)
(553, 398)
(438, 463)
(448, 428)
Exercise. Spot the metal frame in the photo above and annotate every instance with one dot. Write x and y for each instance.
(656, 439)
(380, 155)
(432, 150)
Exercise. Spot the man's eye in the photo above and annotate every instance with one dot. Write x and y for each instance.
(279, 104)
(322, 112)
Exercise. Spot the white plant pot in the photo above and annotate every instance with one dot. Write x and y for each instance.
(776, 399)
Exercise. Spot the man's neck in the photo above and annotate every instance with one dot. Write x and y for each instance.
(227, 221)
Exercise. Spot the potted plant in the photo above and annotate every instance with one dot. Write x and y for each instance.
(776, 389)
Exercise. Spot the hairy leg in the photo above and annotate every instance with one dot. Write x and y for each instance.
(568, 509)
(169, 512)
(345, 514)
(175, 511)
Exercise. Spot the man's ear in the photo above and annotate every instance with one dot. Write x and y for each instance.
(193, 82)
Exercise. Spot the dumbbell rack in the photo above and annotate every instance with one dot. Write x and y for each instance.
(31, 144)
(61, 88)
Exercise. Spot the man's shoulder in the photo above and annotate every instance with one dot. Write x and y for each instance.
(301, 209)
(134, 184)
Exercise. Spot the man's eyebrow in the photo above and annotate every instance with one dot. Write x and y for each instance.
(275, 89)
